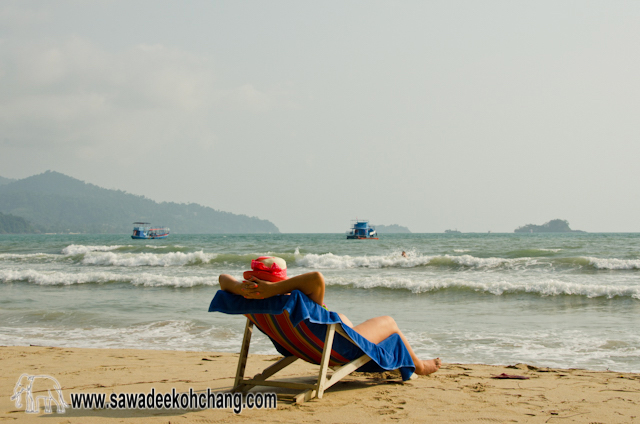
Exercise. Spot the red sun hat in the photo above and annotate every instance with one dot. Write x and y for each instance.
(267, 268)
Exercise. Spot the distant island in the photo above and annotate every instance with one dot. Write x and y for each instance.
(553, 226)
(56, 203)
(393, 228)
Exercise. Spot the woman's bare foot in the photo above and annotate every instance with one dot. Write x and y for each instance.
(428, 367)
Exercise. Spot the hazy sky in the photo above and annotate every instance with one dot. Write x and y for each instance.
(433, 115)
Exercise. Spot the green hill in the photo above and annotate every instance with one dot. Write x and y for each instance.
(58, 203)
(10, 224)
(4, 180)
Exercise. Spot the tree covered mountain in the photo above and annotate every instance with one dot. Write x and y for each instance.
(553, 226)
(4, 180)
(54, 202)
(10, 224)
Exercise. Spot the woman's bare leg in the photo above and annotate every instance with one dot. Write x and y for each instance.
(345, 320)
(377, 329)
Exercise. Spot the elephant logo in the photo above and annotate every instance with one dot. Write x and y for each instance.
(44, 387)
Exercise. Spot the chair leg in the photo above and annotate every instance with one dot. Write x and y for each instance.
(324, 362)
(238, 386)
(313, 391)
(304, 396)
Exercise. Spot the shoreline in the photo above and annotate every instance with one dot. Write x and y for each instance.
(457, 392)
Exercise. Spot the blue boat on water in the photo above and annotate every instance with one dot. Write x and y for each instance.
(361, 230)
(144, 230)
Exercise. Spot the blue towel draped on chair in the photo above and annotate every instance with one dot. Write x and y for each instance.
(297, 326)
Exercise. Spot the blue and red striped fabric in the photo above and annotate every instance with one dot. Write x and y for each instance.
(300, 340)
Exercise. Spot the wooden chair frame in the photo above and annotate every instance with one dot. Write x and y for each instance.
(309, 391)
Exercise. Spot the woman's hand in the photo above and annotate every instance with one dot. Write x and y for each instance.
(254, 288)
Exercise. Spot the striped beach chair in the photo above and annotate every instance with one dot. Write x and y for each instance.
(301, 329)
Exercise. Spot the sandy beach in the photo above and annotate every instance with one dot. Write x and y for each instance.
(456, 393)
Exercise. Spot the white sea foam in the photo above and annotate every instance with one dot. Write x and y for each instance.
(498, 287)
(78, 249)
(472, 261)
(331, 261)
(67, 279)
(105, 256)
(161, 335)
(614, 264)
(147, 259)
(27, 256)
(496, 284)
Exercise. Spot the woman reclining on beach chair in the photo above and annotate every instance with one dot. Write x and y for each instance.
(312, 284)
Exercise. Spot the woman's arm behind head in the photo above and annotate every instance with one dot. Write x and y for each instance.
(230, 284)
(311, 284)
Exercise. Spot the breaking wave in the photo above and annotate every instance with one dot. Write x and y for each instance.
(546, 287)
(177, 256)
(331, 261)
(148, 259)
(417, 284)
(68, 279)
(614, 264)
(77, 249)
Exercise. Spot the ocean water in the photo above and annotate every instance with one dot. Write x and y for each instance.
(556, 300)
